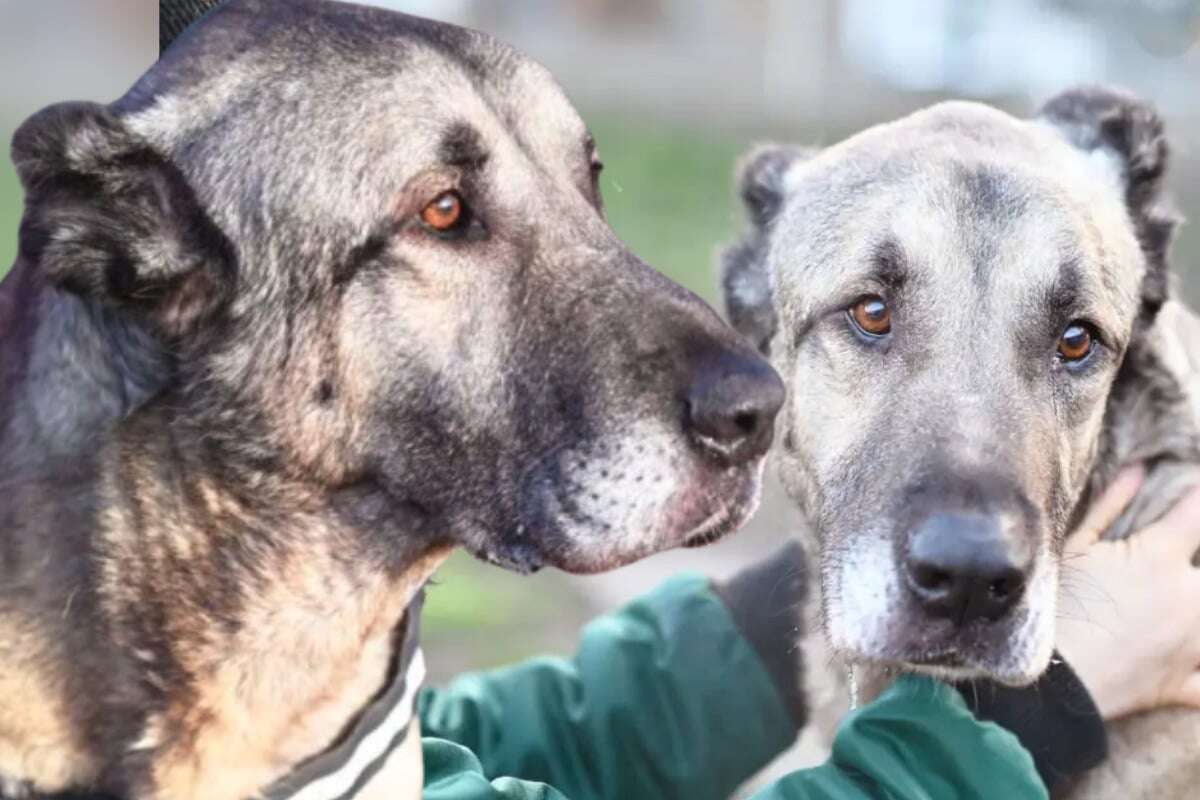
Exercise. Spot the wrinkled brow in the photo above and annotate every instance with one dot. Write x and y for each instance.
(462, 146)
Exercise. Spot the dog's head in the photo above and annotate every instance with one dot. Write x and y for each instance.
(374, 247)
(949, 299)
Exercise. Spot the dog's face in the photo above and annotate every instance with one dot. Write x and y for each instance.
(377, 247)
(949, 299)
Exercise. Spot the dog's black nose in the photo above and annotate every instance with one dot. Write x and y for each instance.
(731, 406)
(964, 567)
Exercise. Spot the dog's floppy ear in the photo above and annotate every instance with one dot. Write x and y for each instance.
(762, 186)
(1131, 131)
(109, 218)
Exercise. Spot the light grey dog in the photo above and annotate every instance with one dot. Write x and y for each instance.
(971, 313)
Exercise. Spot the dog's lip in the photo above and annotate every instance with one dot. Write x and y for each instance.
(948, 658)
(948, 662)
(729, 515)
(714, 528)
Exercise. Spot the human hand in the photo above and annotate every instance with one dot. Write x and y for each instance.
(1129, 610)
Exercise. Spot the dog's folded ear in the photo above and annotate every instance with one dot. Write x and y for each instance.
(1096, 118)
(108, 217)
(762, 186)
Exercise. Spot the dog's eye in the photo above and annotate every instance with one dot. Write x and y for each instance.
(872, 316)
(445, 212)
(1076, 342)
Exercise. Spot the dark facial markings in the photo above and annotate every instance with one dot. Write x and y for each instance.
(991, 194)
(595, 167)
(1078, 338)
(360, 256)
(891, 265)
(462, 147)
(868, 314)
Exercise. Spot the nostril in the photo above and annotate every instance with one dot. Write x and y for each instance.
(1004, 589)
(931, 579)
(746, 422)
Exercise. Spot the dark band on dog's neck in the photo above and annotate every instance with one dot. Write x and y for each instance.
(176, 16)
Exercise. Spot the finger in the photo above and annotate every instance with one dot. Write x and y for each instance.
(1180, 527)
(1188, 693)
(1108, 508)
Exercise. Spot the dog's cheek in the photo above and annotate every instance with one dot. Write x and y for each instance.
(1032, 644)
(1065, 451)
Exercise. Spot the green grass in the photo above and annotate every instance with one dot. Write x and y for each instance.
(478, 616)
(11, 200)
(668, 193)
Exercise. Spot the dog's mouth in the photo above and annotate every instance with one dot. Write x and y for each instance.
(946, 660)
(727, 518)
(586, 515)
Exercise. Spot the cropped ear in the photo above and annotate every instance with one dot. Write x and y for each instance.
(109, 218)
(1131, 131)
(762, 186)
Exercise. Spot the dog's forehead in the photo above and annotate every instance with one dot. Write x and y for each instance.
(325, 110)
(328, 64)
(1009, 200)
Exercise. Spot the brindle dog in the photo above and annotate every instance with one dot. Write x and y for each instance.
(972, 313)
(328, 292)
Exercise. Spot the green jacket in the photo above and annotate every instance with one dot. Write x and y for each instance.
(666, 699)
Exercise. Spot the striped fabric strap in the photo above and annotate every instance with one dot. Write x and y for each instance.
(343, 770)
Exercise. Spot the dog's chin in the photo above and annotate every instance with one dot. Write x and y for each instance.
(948, 664)
(729, 516)
(949, 667)
(954, 671)
(703, 508)
(522, 558)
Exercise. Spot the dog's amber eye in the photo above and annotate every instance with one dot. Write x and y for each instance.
(1076, 342)
(444, 212)
(872, 316)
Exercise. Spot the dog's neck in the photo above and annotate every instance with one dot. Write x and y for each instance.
(257, 604)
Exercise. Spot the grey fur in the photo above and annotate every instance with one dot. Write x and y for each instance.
(988, 235)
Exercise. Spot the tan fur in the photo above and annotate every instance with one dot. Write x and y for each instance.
(1151, 756)
(36, 739)
(304, 666)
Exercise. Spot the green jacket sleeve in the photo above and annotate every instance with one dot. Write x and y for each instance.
(667, 700)
(664, 699)
(918, 741)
